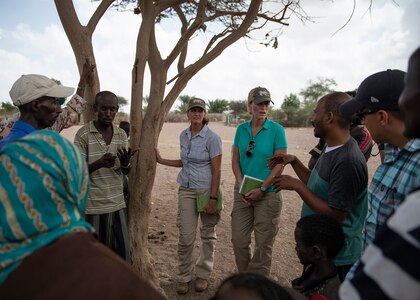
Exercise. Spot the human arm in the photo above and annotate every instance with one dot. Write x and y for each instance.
(124, 156)
(76, 104)
(167, 162)
(256, 194)
(345, 182)
(300, 169)
(236, 167)
(81, 140)
(316, 203)
(106, 161)
(363, 139)
(62, 121)
(216, 166)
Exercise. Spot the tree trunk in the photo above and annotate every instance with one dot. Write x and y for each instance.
(143, 136)
(80, 38)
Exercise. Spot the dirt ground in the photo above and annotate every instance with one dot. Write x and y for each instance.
(163, 233)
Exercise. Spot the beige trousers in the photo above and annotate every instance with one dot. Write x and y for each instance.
(187, 220)
(262, 217)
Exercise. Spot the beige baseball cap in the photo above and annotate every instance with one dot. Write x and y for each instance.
(33, 86)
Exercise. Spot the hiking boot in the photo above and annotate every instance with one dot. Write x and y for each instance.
(201, 284)
(182, 288)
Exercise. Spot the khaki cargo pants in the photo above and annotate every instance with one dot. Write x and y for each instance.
(262, 217)
(187, 220)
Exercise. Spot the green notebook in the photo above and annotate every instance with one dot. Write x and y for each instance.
(202, 201)
(249, 183)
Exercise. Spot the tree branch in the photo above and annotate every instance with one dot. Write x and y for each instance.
(275, 19)
(165, 4)
(68, 16)
(215, 38)
(99, 12)
(182, 42)
(348, 20)
(155, 59)
(183, 55)
(192, 69)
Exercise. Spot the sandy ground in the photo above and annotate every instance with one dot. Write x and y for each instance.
(163, 233)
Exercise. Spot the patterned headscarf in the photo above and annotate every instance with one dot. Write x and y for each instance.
(43, 191)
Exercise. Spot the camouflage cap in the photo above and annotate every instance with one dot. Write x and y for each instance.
(197, 102)
(258, 95)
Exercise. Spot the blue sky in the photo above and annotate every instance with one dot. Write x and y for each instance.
(25, 11)
(32, 41)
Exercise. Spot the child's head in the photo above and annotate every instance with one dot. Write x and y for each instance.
(252, 286)
(124, 125)
(318, 237)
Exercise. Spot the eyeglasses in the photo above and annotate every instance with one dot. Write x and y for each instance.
(251, 146)
(363, 114)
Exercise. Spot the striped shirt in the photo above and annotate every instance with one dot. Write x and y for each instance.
(106, 184)
(390, 266)
(196, 155)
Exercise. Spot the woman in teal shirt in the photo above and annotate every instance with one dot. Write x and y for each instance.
(258, 210)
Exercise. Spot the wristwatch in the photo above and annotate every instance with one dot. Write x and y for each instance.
(263, 189)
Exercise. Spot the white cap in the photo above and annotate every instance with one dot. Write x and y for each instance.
(33, 86)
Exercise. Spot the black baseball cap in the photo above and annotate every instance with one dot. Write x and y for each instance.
(378, 91)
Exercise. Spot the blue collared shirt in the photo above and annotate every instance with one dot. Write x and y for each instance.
(398, 175)
(196, 155)
(18, 131)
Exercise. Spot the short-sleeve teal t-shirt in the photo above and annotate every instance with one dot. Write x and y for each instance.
(270, 138)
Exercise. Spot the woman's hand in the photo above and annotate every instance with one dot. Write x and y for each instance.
(158, 157)
(211, 208)
(253, 195)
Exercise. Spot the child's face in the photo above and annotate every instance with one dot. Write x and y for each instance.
(304, 253)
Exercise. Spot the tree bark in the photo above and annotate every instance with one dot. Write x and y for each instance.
(80, 38)
(144, 166)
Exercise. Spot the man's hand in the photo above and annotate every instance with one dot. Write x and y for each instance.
(124, 157)
(106, 161)
(280, 158)
(286, 182)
